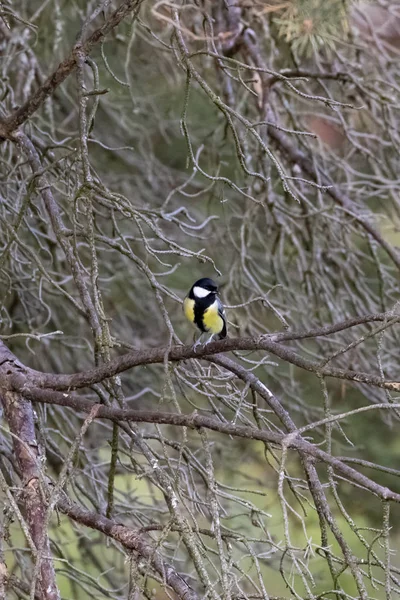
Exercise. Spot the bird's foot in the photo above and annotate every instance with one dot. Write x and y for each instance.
(200, 342)
(210, 339)
(197, 344)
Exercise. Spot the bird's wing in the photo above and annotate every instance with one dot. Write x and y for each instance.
(221, 311)
(188, 309)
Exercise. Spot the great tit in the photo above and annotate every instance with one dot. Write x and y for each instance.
(203, 307)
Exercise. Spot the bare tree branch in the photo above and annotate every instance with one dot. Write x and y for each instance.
(84, 47)
(196, 421)
(255, 143)
(19, 415)
(131, 540)
(180, 353)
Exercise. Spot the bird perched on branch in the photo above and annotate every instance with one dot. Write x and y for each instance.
(203, 307)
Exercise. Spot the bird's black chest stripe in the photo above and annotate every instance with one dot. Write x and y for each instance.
(200, 305)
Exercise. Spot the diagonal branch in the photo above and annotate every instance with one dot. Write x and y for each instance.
(130, 539)
(294, 155)
(196, 421)
(64, 69)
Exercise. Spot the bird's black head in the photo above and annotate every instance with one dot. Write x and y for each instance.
(207, 284)
(203, 288)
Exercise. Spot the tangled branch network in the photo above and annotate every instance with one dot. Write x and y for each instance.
(146, 144)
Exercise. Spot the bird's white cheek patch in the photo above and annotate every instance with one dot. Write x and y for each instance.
(200, 292)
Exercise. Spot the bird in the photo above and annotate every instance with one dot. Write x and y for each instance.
(203, 307)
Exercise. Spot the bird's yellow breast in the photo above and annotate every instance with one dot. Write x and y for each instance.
(212, 320)
(188, 309)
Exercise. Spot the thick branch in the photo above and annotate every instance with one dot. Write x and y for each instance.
(132, 540)
(195, 421)
(180, 353)
(19, 416)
